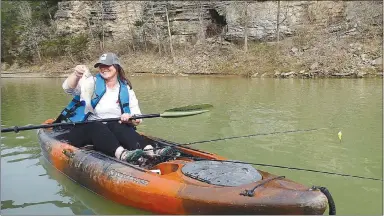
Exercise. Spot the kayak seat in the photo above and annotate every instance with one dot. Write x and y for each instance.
(221, 173)
(167, 167)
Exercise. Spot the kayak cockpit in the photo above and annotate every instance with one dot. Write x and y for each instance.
(187, 162)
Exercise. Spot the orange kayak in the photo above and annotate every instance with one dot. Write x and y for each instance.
(190, 182)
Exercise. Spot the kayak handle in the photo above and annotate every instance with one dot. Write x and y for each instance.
(69, 153)
(251, 192)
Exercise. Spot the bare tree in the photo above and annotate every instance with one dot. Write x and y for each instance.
(245, 16)
(131, 30)
(90, 29)
(156, 28)
(278, 22)
(102, 24)
(202, 31)
(31, 34)
(141, 23)
(169, 33)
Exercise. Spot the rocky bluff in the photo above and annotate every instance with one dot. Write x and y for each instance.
(188, 19)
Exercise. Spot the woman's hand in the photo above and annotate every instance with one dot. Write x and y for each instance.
(79, 70)
(73, 78)
(125, 118)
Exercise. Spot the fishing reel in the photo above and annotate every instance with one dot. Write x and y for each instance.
(152, 156)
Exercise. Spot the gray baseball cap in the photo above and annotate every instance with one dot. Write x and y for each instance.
(108, 59)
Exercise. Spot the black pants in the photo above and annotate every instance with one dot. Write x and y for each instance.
(104, 137)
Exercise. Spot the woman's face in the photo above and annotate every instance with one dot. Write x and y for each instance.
(108, 72)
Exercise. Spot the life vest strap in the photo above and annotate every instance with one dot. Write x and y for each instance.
(67, 113)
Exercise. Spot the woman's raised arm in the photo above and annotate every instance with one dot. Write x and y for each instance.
(71, 84)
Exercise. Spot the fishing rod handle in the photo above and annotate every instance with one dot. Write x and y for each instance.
(16, 129)
(145, 116)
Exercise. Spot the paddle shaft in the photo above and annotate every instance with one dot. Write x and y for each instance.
(31, 127)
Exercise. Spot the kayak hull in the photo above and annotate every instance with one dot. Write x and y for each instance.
(172, 192)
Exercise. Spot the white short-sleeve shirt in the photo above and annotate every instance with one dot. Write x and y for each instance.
(108, 106)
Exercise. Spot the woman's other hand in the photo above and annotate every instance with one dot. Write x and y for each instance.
(126, 118)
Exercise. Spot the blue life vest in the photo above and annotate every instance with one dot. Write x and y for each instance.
(74, 112)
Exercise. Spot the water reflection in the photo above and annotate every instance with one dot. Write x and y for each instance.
(90, 202)
(6, 204)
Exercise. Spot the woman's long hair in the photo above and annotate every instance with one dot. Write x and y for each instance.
(121, 75)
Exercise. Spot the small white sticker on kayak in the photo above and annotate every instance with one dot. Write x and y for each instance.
(128, 177)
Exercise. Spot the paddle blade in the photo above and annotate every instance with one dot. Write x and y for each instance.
(191, 108)
(174, 114)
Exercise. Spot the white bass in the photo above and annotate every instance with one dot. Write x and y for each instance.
(87, 89)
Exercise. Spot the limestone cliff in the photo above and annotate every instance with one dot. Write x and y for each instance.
(128, 19)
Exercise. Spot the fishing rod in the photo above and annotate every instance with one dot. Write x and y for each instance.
(266, 165)
(277, 166)
(233, 137)
(292, 168)
(228, 138)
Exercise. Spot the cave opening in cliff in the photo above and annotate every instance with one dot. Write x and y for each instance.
(218, 23)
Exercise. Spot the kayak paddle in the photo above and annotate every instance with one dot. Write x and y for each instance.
(170, 113)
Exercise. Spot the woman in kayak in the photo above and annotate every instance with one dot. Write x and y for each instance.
(113, 97)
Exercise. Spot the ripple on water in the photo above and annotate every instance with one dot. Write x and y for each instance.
(370, 189)
(28, 157)
(16, 151)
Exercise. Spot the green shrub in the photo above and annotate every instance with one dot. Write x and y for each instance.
(74, 46)
(78, 45)
(54, 47)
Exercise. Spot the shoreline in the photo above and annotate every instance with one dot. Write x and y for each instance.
(132, 74)
(262, 60)
(30, 74)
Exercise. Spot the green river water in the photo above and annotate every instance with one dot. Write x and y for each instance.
(29, 185)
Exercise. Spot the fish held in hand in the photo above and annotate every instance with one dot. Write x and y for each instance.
(88, 89)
